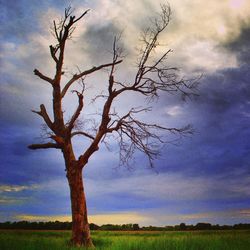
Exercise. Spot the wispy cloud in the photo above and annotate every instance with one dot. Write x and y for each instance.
(6, 200)
(13, 194)
(16, 188)
(176, 186)
(245, 212)
(214, 217)
(163, 188)
(29, 217)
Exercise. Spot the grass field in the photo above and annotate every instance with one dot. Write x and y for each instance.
(106, 240)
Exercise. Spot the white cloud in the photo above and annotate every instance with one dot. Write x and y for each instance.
(204, 56)
(174, 110)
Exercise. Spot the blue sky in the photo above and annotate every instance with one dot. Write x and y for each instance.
(204, 178)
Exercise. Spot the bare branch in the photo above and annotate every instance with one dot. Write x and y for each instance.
(80, 17)
(56, 31)
(53, 51)
(43, 146)
(43, 113)
(77, 112)
(43, 77)
(99, 96)
(133, 134)
(82, 133)
(84, 73)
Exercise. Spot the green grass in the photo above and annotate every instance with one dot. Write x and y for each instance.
(105, 240)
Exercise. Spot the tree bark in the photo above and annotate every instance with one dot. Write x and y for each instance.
(80, 226)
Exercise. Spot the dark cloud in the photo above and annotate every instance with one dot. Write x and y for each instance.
(14, 110)
(221, 119)
(241, 46)
(22, 165)
(98, 41)
(226, 91)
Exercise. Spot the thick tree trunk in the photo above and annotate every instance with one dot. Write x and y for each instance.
(80, 227)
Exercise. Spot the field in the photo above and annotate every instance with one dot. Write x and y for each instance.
(106, 240)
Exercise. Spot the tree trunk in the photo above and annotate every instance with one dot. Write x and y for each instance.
(80, 227)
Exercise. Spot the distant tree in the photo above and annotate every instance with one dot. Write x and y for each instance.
(56, 225)
(183, 226)
(244, 226)
(136, 227)
(203, 226)
(152, 76)
(93, 226)
(110, 227)
(169, 228)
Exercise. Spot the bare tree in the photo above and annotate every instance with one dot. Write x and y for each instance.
(152, 76)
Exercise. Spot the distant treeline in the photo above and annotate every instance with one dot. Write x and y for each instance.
(57, 225)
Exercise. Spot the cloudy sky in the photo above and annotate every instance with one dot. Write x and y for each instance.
(202, 178)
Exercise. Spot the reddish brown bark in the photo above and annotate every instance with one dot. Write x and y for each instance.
(80, 226)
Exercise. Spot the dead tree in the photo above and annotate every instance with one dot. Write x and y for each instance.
(151, 77)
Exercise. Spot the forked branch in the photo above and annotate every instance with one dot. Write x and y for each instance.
(43, 77)
(43, 113)
(84, 73)
(82, 133)
(77, 112)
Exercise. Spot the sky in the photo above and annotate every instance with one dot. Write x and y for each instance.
(200, 178)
